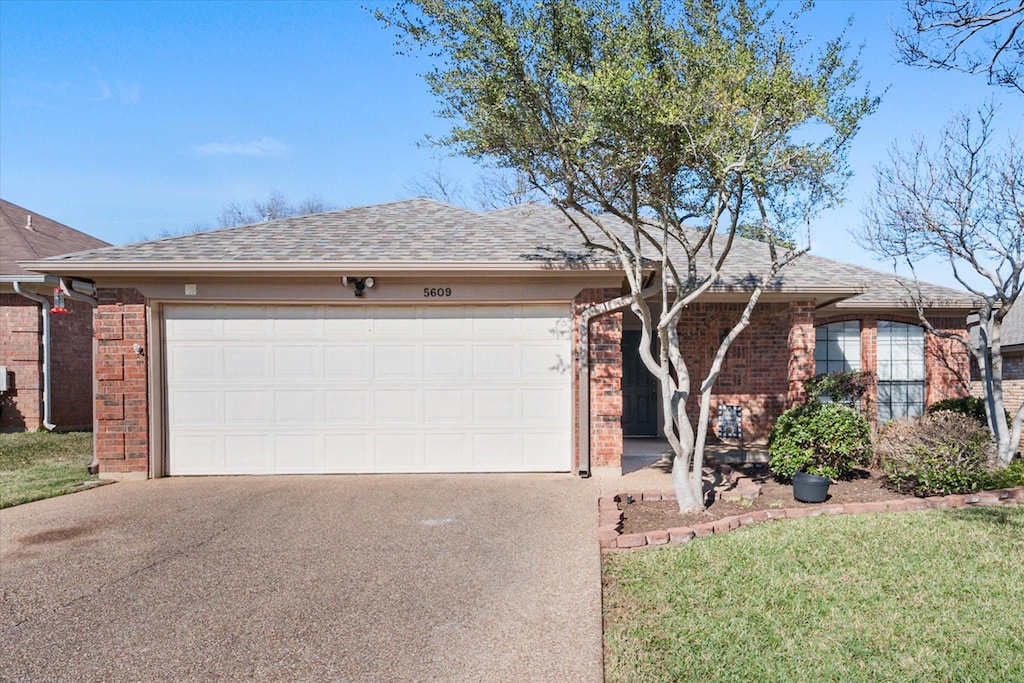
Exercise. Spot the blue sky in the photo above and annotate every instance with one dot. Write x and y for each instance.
(123, 119)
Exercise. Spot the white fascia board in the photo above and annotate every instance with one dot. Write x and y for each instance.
(240, 268)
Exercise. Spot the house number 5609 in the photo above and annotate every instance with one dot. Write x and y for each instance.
(432, 292)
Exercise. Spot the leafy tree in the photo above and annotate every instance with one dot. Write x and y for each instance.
(969, 36)
(657, 128)
(965, 204)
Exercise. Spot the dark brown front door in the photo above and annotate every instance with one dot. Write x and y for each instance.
(639, 390)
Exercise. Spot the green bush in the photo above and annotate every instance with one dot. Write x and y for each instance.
(827, 439)
(1007, 477)
(971, 406)
(936, 454)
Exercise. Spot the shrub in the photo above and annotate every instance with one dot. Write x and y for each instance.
(840, 387)
(827, 439)
(1007, 477)
(936, 454)
(971, 406)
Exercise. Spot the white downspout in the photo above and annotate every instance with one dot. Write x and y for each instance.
(45, 306)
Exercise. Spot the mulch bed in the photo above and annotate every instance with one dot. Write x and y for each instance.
(641, 516)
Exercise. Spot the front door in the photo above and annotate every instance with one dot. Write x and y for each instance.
(639, 390)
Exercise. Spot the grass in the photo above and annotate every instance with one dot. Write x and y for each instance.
(915, 596)
(37, 465)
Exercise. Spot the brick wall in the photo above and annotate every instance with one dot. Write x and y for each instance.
(764, 367)
(605, 379)
(122, 410)
(21, 351)
(71, 365)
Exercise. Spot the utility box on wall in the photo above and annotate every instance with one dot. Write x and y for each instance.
(730, 422)
(5, 380)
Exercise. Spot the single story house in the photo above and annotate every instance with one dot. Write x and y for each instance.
(45, 358)
(417, 336)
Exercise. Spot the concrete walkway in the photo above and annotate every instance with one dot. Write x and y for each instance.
(341, 578)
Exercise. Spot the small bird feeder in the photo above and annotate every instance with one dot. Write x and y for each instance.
(58, 302)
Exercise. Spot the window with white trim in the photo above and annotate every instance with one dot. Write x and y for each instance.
(901, 370)
(837, 347)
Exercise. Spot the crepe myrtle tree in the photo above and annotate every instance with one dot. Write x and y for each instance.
(972, 36)
(658, 129)
(962, 202)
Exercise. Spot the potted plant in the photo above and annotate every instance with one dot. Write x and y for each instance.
(816, 443)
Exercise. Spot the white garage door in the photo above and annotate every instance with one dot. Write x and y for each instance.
(302, 389)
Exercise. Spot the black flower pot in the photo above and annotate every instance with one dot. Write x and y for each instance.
(810, 488)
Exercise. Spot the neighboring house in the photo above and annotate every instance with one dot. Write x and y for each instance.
(36, 347)
(1013, 361)
(420, 337)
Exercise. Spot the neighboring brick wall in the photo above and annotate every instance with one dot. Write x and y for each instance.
(71, 365)
(122, 393)
(1013, 383)
(605, 379)
(21, 350)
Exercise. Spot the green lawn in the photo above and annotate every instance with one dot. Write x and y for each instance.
(36, 465)
(915, 596)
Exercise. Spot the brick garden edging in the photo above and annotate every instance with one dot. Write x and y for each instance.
(610, 538)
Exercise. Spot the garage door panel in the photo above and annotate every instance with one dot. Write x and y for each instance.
(196, 454)
(348, 453)
(397, 452)
(348, 362)
(444, 361)
(248, 453)
(446, 405)
(494, 360)
(447, 452)
(246, 407)
(250, 363)
(393, 362)
(297, 454)
(194, 362)
(347, 406)
(195, 408)
(297, 406)
(296, 362)
(367, 389)
(395, 405)
(545, 406)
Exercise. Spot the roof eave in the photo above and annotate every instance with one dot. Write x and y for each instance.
(238, 268)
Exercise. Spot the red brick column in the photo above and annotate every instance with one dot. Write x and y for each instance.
(801, 349)
(122, 392)
(605, 379)
(947, 361)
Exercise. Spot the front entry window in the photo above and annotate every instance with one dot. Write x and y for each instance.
(900, 370)
(837, 347)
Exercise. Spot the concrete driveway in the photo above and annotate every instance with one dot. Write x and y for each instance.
(340, 578)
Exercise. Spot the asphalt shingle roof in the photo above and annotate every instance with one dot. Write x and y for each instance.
(22, 240)
(411, 231)
(808, 272)
(426, 232)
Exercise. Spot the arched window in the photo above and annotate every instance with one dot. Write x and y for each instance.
(837, 347)
(900, 370)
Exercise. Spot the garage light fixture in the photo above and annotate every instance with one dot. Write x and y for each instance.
(359, 284)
